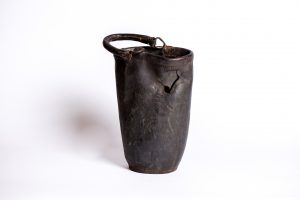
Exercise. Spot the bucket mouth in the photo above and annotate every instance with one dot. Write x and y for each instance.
(168, 53)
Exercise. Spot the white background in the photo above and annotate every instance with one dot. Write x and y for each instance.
(59, 128)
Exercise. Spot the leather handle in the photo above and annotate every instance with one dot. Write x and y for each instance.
(135, 37)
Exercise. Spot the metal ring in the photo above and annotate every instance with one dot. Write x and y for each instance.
(158, 38)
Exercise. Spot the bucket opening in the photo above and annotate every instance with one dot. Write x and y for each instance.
(168, 52)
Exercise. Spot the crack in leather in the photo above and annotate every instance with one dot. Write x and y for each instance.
(168, 89)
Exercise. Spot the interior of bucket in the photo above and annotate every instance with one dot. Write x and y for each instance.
(168, 51)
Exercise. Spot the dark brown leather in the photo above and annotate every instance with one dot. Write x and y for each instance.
(154, 87)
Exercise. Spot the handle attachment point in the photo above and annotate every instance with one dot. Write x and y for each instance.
(159, 38)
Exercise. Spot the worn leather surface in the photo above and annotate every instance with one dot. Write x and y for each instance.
(154, 88)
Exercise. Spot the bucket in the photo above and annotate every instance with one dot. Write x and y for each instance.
(154, 88)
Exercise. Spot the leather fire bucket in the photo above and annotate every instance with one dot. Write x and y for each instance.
(154, 88)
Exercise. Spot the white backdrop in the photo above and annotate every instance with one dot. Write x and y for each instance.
(59, 128)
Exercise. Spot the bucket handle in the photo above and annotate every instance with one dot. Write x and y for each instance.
(135, 37)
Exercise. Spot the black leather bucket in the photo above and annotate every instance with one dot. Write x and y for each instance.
(154, 87)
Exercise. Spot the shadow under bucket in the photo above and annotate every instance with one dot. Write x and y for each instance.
(154, 88)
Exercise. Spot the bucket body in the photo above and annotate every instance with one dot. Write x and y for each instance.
(154, 88)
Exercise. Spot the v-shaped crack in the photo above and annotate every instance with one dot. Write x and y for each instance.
(169, 89)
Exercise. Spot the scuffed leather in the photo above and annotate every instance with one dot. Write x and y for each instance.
(154, 97)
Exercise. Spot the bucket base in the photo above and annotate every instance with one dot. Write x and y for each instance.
(150, 171)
